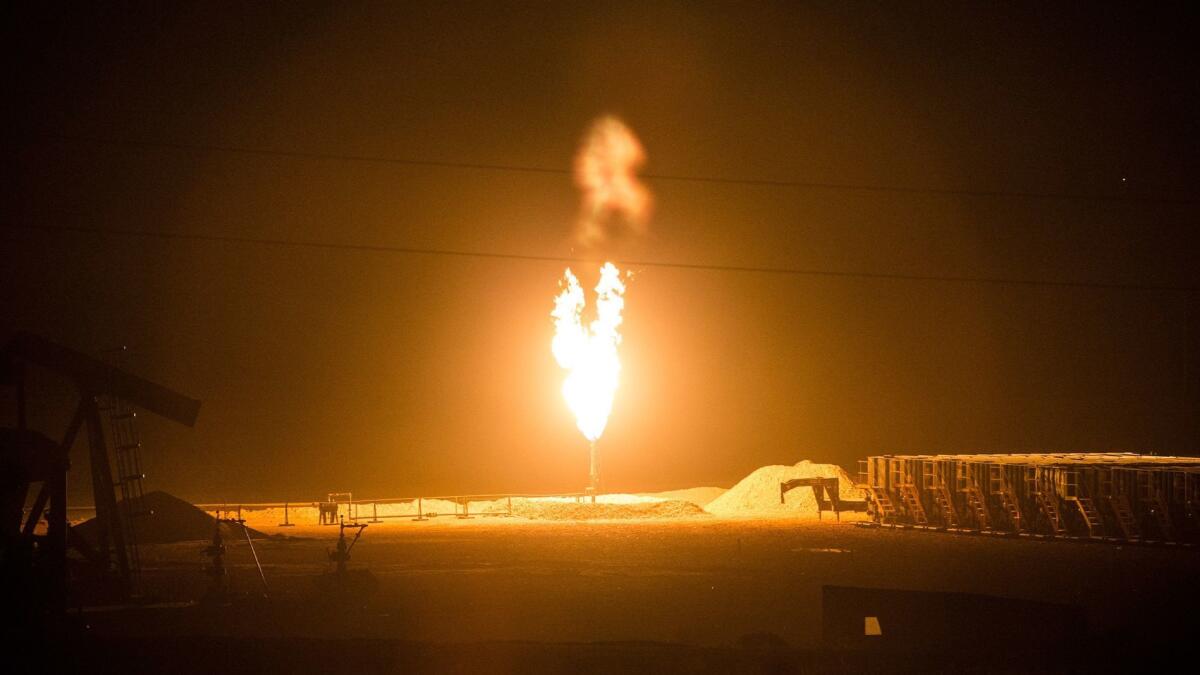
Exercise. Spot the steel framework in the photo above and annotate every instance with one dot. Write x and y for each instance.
(1106, 495)
(38, 562)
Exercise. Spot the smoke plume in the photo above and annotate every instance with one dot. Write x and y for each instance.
(606, 172)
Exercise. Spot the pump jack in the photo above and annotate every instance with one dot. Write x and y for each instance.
(341, 555)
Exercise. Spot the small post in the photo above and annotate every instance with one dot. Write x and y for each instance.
(594, 472)
(342, 554)
(218, 578)
(286, 522)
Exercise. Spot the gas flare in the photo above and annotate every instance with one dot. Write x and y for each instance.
(589, 353)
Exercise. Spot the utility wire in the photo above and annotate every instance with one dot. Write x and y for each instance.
(515, 168)
(410, 250)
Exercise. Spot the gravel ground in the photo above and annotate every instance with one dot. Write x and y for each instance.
(698, 581)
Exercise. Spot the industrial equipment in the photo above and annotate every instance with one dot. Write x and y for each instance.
(1111, 496)
(341, 555)
(38, 561)
(825, 491)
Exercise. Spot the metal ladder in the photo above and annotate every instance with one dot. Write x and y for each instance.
(1151, 494)
(945, 504)
(1091, 516)
(1162, 517)
(912, 501)
(887, 511)
(977, 506)
(1125, 517)
(1009, 501)
(127, 452)
(1050, 510)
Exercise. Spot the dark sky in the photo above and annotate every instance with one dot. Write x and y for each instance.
(392, 374)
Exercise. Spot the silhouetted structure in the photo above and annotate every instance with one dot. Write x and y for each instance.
(38, 561)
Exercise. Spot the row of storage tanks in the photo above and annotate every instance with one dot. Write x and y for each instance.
(1121, 496)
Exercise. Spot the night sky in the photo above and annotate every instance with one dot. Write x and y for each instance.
(1028, 143)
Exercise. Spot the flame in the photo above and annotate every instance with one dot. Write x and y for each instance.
(589, 353)
(606, 172)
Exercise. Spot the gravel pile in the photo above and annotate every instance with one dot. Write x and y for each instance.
(562, 510)
(170, 520)
(757, 495)
(700, 496)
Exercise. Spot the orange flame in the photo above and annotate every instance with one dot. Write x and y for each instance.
(589, 353)
(606, 171)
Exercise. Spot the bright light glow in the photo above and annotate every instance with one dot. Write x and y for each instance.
(589, 353)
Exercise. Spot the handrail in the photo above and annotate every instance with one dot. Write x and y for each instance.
(255, 506)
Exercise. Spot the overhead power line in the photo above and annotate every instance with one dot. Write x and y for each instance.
(753, 269)
(516, 168)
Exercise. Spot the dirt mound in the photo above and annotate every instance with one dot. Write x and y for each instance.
(757, 495)
(170, 519)
(700, 496)
(557, 510)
